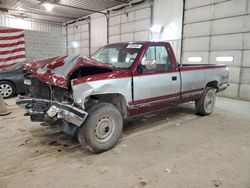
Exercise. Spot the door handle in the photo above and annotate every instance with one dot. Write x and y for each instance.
(174, 78)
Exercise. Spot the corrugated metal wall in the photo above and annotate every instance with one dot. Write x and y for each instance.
(217, 32)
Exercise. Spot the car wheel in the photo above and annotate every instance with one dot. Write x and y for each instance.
(7, 89)
(205, 105)
(102, 128)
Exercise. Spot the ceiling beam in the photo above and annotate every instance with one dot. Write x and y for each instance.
(79, 8)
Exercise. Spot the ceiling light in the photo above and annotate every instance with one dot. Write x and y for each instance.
(75, 44)
(48, 6)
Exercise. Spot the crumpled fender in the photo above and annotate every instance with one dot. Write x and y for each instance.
(107, 83)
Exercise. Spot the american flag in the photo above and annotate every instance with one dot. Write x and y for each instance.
(12, 47)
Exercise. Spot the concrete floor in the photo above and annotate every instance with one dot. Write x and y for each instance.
(174, 148)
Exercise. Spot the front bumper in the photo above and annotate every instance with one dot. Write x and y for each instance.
(42, 110)
(222, 87)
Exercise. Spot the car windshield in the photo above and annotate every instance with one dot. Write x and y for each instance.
(118, 55)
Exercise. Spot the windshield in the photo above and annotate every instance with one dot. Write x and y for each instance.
(118, 55)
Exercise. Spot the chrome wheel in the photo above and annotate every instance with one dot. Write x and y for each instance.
(6, 90)
(209, 101)
(104, 129)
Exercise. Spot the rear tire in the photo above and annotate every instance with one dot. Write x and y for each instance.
(7, 89)
(102, 129)
(205, 105)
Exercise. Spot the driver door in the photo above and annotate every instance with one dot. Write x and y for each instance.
(156, 84)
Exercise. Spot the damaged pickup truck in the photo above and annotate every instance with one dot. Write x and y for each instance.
(91, 97)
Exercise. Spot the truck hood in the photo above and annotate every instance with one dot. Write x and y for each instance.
(57, 70)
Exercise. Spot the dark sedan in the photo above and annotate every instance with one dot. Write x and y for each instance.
(12, 81)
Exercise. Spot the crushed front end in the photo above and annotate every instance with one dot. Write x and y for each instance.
(49, 103)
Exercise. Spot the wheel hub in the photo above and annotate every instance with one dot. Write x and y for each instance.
(209, 101)
(104, 129)
(5, 90)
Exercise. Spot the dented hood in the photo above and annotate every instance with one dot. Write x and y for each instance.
(56, 70)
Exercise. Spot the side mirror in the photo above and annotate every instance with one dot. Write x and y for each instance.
(149, 64)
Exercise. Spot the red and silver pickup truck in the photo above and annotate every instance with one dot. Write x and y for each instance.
(91, 97)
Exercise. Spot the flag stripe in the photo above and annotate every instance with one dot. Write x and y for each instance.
(6, 66)
(13, 61)
(11, 44)
(12, 37)
(11, 41)
(12, 47)
(12, 58)
(12, 51)
(12, 54)
(10, 34)
(10, 30)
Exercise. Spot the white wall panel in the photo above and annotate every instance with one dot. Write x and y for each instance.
(197, 29)
(196, 44)
(127, 27)
(197, 3)
(227, 42)
(234, 74)
(246, 59)
(245, 76)
(142, 25)
(236, 57)
(114, 38)
(229, 8)
(142, 36)
(198, 14)
(244, 91)
(228, 25)
(114, 20)
(142, 14)
(127, 37)
(231, 91)
(247, 41)
(114, 30)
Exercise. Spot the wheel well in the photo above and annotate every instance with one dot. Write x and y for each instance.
(9, 82)
(117, 100)
(213, 84)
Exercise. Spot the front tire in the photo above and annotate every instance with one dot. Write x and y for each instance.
(102, 129)
(7, 89)
(205, 105)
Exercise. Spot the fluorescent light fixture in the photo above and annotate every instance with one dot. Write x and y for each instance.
(156, 28)
(114, 60)
(225, 59)
(195, 59)
(48, 6)
(75, 44)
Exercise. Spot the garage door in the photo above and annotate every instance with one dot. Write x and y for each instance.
(78, 38)
(130, 24)
(218, 32)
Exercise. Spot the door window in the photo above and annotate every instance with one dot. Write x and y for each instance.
(156, 59)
